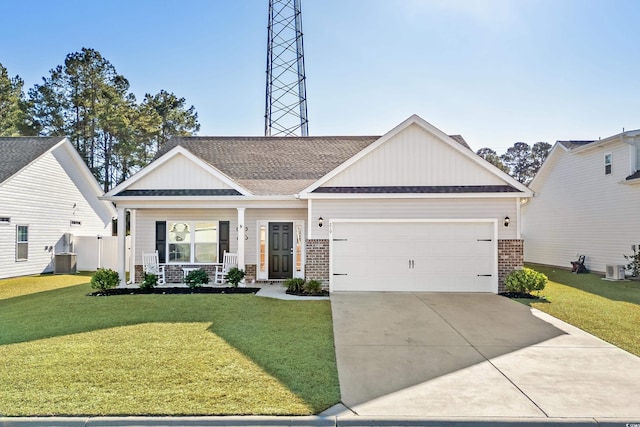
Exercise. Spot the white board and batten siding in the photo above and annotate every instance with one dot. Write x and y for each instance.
(179, 172)
(414, 157)
(577, 209)
(46, 196)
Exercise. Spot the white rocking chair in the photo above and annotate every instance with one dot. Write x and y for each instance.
(229, 260)
(151, 265)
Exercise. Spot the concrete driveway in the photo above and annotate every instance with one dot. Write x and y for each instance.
(474, 355)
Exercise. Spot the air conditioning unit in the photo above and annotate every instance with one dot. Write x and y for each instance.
(615, 272)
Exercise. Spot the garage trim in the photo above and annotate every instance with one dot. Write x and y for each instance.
(493, 221)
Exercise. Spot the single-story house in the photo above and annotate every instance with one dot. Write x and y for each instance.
(47, 196)
(587, 194)
(412, 210)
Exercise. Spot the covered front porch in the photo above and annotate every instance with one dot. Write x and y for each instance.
(269, 241)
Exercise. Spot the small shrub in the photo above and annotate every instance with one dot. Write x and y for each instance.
(234, 276)
(294, 284)
(525, 281)
(197, 278)
(312, 287)
(634, 262)
(150, 281)
(105, 278)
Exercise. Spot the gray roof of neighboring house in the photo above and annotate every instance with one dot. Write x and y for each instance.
(275, 165)
(574, 144)
(18, 152)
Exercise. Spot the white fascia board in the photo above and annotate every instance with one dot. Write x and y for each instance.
(415, 119)
(348, 196)
(198, 198)
(170, 155)
(211, 204)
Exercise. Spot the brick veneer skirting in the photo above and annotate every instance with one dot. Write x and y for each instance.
(174, 274)
(317, 260)
(510, 257)
(250, 273)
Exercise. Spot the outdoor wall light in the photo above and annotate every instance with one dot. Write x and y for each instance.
(507, 220)
(320, 222)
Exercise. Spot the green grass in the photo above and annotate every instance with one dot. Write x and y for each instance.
(609, 310)
(64, 353)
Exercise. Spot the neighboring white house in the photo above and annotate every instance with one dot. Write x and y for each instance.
(587, 202)
(414, 209)
(47, 196)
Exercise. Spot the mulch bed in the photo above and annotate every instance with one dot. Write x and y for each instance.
(305, 294)
(174, 291)
(518, 295)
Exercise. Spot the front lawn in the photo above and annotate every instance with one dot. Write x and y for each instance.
(64, 353)
(607, 309)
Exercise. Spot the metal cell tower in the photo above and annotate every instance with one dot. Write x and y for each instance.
(286, 100)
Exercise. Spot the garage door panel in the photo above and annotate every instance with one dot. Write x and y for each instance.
(406, 256)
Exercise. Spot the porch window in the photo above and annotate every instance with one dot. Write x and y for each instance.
(192, 242)
(22, 242)
(263, 247)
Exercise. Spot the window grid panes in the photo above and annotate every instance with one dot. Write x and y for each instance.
(22, 242)
(607, 163)
(192, 242)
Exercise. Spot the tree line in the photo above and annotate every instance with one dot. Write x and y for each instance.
(89, 102)
(86, 100)
(520, 161)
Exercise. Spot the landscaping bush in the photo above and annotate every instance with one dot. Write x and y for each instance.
(312, 287)
(234, 276)
(197, 278)
(294, 285)
(525, 281)
(150, 281)
(634, 262)
(105, 278)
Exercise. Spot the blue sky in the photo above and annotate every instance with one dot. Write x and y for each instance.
(495, 71)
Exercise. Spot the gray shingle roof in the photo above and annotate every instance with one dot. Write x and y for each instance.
(18, 152)
(185, 192)
(574, 144)
(419, 189)
(273, 165)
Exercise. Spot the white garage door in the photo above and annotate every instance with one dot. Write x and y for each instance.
(414, 256)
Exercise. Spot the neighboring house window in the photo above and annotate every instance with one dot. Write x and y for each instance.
(5, 220)
(192, 242)
(607, 164)
(22, 242)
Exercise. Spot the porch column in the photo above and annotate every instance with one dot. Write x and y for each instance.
(241, 234)
(131, 250)
(122, 246)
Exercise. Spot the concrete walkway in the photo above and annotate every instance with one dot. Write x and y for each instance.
(438, 355)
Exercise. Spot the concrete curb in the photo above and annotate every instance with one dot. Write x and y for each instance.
(347, 421)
